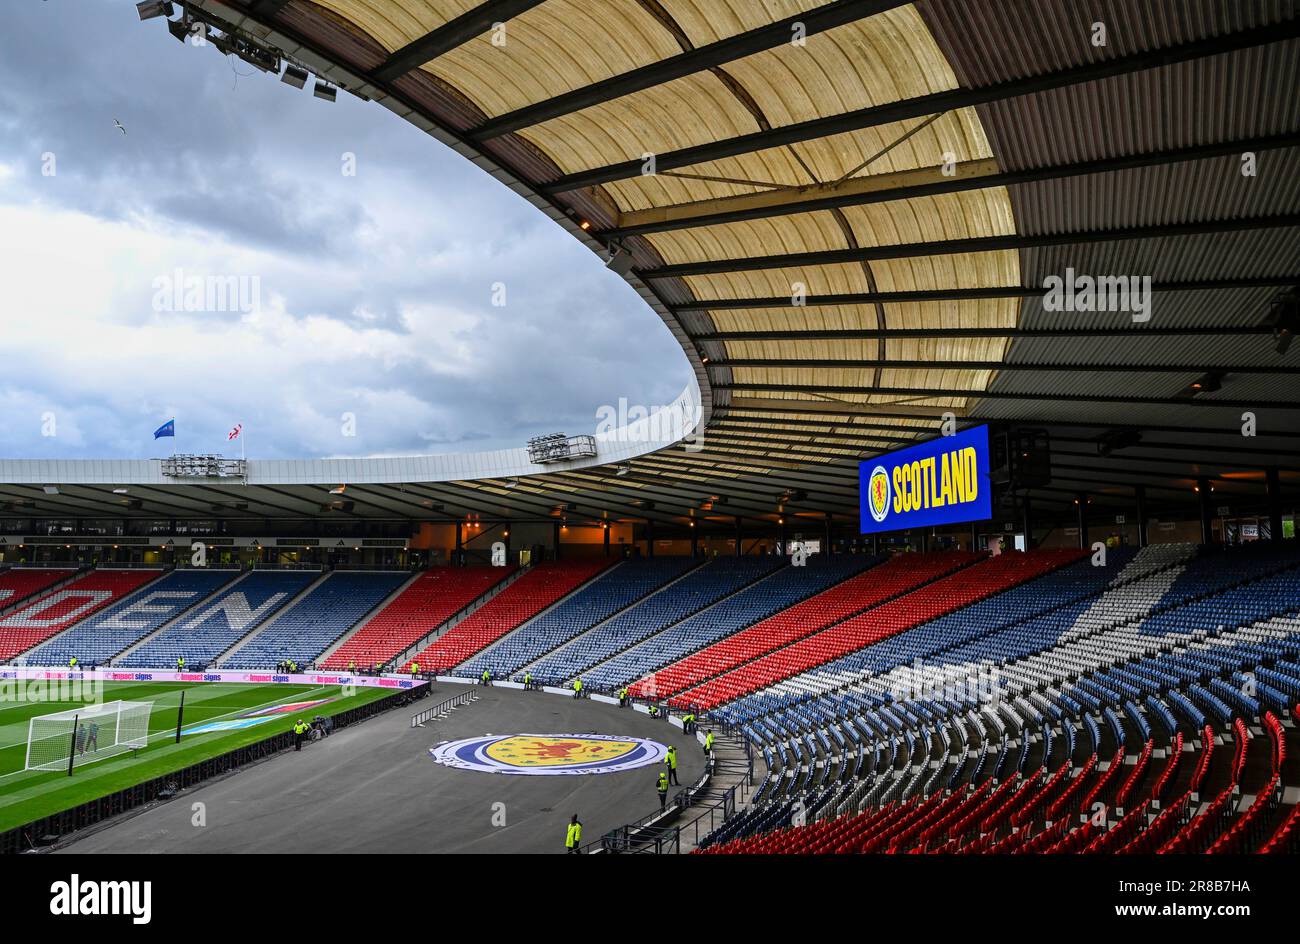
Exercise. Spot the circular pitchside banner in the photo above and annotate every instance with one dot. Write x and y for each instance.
(549, 754)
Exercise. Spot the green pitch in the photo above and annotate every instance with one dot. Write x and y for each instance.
(26, 795)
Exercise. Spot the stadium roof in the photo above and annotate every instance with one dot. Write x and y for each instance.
(846, 211)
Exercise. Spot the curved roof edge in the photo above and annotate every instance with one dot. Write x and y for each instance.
(358, 84)
(635, 436)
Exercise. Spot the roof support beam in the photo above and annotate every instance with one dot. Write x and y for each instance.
(907, 185)
(927, 392)
(931, 104)
(453, 33)
(715, 54)
(903, 334)
(776, 405)
(938, 364)
(946, 247)
(962, 294)
(751, 405)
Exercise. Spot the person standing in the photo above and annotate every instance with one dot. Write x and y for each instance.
(299, 734)
(577, 688)
(180, 663)
(573, 838)
(528, 680)
(662, 787)
(670, 761)
(92, 740)
(487, 677)
(415, 670)
(622, 697)
(708, 742)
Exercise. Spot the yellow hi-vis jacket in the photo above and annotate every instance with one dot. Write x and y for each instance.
(577, 685)
(574, 836)
(708, 741)
(671, 759)
(663, 782)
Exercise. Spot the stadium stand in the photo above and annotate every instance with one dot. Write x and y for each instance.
(527, 596)
(306, 630)
(21, 583)
(941, 596)
(892, 578)
(1184, 653)
(783, 588)
(704, 587)
(221, 621)
(97, 639)
(433, 598)
(56, 611)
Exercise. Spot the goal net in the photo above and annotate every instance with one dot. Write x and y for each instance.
(87, 733)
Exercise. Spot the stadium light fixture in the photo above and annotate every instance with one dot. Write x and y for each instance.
(1208, 383)
(339, 491)
(180, 29)
(1116, 439)
(151, 9)
(324, 92)
(50, 489)
(294, 76)
(1284, 319)
(618, 260)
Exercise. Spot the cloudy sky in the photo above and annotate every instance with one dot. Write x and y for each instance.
(369, 295)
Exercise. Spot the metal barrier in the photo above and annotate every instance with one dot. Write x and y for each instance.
(643, 840)
(443, 707)
(719, 812)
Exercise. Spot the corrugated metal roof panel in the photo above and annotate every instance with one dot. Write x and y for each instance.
(1192, 191)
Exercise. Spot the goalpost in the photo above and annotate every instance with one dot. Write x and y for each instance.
(87, 733)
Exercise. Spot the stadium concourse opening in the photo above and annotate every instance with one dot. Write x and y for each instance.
(973, 531)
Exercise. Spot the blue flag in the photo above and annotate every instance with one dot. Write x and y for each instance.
(166, 429)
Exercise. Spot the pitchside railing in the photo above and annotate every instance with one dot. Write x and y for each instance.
(443, 707)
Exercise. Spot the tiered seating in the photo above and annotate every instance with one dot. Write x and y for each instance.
(620, 588)
(433, 598)
(533, 592)
(222, 621)
(95, 640)
(870, 589)
(20, 583)
(771, 595)
(58, 610)
(942, 596)
(694, 594)
(1167, 651)
(322, 616)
